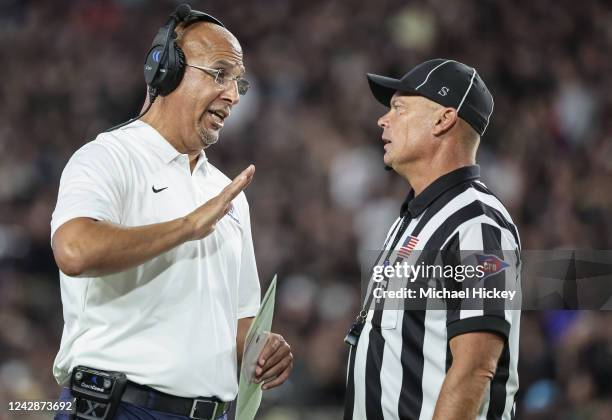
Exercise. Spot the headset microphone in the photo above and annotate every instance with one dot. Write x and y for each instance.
(165, 62)
(182, 12)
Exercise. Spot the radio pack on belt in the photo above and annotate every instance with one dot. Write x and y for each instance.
(98, 393)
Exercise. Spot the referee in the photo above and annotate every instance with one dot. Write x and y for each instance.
(441, 358)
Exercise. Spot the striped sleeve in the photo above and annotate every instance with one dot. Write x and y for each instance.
(481, 255)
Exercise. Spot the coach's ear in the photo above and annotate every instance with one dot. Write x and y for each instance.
(446, 118)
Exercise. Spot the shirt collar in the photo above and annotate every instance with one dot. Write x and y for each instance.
(416, 205)
(164, 149)
(202, 163)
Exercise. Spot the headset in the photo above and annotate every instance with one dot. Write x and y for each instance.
(165, 62)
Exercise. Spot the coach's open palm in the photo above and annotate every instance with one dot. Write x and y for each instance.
(204, 219)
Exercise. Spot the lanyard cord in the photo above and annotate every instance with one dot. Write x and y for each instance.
(399, 233)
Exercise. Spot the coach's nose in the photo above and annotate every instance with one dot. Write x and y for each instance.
(230, 93)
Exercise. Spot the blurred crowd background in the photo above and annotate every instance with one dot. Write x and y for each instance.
(321, 197)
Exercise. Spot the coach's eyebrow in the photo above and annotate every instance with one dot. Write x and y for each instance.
(223, 62)
(228, 64)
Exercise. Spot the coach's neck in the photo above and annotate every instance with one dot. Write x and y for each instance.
(164, 121)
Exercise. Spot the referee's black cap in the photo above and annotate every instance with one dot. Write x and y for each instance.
(447, 82)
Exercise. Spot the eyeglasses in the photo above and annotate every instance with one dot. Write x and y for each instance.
(222, 79)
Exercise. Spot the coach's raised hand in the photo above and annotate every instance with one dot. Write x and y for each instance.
(204, 219)
(89, 247)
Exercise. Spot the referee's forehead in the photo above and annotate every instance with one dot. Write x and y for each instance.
(412, 100)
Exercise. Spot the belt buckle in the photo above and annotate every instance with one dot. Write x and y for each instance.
(194, 406)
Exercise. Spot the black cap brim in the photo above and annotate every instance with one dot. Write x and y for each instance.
(383, 88)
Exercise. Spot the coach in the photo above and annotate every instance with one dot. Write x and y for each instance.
(158, 274)
(436, 358)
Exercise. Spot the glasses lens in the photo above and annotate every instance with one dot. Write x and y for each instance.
(219, 79)
(243, 86)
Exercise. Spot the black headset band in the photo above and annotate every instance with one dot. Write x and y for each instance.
(196, 16)
(165, 61)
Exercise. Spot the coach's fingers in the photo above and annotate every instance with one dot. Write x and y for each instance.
(280, 380)
(238, 184)
(275, 370)
(273, 343)
(282, 352)
(281, 358)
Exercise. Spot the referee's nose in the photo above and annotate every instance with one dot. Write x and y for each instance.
(383, 121)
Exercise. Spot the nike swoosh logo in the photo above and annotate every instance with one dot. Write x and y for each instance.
(156, 190)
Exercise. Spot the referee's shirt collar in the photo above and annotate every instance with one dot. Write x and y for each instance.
(416, 205)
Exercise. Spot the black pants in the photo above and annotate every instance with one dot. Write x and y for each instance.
(127, 411)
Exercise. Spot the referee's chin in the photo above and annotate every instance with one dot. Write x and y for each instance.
(388, 164)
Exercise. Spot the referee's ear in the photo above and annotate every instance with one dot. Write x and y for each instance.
(445, 119)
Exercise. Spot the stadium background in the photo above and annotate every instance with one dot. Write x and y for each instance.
(73, 68)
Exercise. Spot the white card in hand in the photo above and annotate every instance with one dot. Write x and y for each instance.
(251, 353)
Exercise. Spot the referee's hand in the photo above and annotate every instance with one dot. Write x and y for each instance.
(202, 221)
(275, 362)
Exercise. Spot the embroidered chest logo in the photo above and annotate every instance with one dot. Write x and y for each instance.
(233, 213)
(156, 190)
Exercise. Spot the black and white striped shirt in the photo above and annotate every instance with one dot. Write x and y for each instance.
(397, 369)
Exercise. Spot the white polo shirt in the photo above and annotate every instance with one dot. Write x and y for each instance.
(171, 322)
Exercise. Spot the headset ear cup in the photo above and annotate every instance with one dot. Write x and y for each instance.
(165, 62)
(180, 65)
(175, 70)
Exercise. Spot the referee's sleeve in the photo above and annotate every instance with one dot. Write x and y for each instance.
(484, 257)
(91, 185)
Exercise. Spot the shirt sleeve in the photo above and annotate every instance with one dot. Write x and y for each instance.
(249, 293)
(486, 262)
(91, 186)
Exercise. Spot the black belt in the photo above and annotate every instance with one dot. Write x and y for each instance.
(203, 408)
